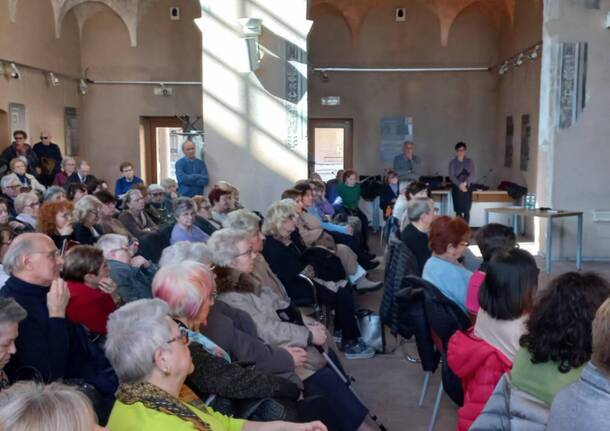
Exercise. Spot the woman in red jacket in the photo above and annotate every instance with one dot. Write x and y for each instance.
(92, 292)
(480, 356)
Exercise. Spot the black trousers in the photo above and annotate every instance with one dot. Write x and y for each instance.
(462, 202)
(364, 221)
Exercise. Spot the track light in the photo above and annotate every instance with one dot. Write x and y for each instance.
(14, 73)
(83, 86)
(519, 60)
(53, 80)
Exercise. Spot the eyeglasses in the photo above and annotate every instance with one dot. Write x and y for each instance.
(19, 138)
(250, 252)
(33, 204)
(50, 254)
(184, 337)
(44, 137)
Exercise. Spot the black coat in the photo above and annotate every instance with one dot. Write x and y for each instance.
(387, 197)
(83, 235)
(90, 182)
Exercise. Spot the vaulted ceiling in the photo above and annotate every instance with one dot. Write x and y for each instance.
(355, 11)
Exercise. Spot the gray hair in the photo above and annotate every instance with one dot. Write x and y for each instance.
(22, 245)
(276, 214)
(84, 205)
(186, 251)
(418, 207)
(182, 205)
(11, 311)
(242, 220)
(23, 199)
(53, 191)
(129, 197)
(65, 160)
(135, 332)
(111, 242)
(168, 182)
(35, 406)
(9, 179)
(223, 245)
(83, 162)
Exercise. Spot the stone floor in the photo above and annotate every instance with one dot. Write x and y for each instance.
(390, 386)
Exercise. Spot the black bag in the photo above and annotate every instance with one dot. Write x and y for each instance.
(326, 265)
(370, 187)
(434, 182)
(514, 190)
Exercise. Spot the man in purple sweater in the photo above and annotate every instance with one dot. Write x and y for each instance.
(461, 174)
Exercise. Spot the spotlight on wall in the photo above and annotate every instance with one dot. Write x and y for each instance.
(324, 76)
(83, 87)
(400, 14)
(53, 80)
(14, 72)
(534, 54)
(519, 60)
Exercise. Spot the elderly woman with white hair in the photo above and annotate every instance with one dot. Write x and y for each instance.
(27, 206)
(133, 275)
(34, 406)
(186, 251)
(68, 166)
(185, 211)
(87, 216)
(148, 397)
(11, 314)
(287, 258)
(234, 256)
(133, 216)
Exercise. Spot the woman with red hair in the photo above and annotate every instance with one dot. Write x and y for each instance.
(55, 220)
(448, 241)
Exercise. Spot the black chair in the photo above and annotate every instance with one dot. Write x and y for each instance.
(153, 243)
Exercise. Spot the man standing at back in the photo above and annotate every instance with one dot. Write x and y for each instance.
(49, 156)
(407, 165)
(191, 172)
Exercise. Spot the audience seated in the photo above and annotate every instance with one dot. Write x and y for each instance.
(11, 314)
(49, 346)
(133, 216)
(448, 240)
(109, 221)
(414, 190)
(49, 156)
(55, 221)
(53, 407)
(584, 404)
(20, 148)
(7, 235)
(331, 188)
(17, 166)
(68, 166)
(349, 192)
(5, 218)
(171, 188)
(287, 259)
(54, 193)
(11, 187)
(389, 194)
(158, 206)
(225, 185)
(183, 251)
(75, 191)
(554, 351)
(87, 213)
(26, 207)
(126, 182)
(222, 203)
(149, 395)
(92, 292)
(83, 176)
(420, 214)
(203, 218)
(491, 238)
(185, 229)
(326, 212)
(480, 356)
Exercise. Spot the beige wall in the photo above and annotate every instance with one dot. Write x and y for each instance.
(446, 107)
(31, 40)
(167, 50)
(577, 158)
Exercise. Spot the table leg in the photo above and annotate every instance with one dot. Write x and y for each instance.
(516, 225)
(549, 244)
(487, 216)
(444, 204)
(579, 242)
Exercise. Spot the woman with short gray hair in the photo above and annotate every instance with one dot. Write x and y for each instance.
(148, 396)
(11, 313)
(34, 406)
(87, 215)
(135, 219)
(185, 212)
(183, 251)
(54, 193)
(68, 166)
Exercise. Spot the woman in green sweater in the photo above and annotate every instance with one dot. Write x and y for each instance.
(349, 192)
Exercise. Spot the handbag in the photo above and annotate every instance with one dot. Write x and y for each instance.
(371, 330)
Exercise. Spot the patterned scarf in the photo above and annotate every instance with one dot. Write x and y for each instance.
(157, 399)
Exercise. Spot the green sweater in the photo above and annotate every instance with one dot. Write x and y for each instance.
(544, 380)
(349, 195)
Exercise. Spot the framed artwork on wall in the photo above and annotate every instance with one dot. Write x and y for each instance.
(508, 149)
(526, 132)
(17, 118)
(71, 131)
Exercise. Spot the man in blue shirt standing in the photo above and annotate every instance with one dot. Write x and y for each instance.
(191, 172)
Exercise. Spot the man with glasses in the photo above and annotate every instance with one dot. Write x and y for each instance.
(83, 175)
(27, 206)
(11, 187)
(50, 158)
(20, 148)
(49, 346)
(159, 207)
(132, 274)
(127, 181)
(420, 212)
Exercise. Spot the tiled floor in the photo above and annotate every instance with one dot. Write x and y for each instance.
(390, 386)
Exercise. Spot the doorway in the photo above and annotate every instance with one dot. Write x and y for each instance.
(330, 146)
(162, 141)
